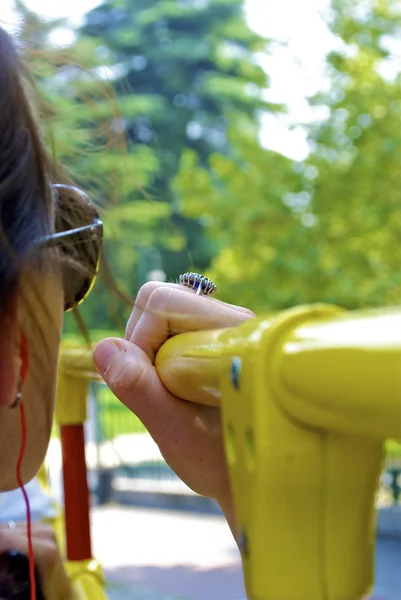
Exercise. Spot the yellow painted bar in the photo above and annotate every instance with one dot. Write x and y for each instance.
(308, 398)
(349, 368)
(87, 579)
(76, 370)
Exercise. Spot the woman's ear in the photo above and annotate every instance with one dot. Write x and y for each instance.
(13, 356)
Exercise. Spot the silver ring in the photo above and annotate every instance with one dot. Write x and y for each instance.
(11, 524)
(199, 283)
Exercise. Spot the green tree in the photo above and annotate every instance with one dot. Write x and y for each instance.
(245, 201)
(355, 159)
(181, 70)
(80, 120)
(327, 229)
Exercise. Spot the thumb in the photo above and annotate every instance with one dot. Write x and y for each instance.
(124, 367)
(130, 375)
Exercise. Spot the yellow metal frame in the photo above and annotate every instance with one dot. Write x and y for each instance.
(76, 370)
(308, 398)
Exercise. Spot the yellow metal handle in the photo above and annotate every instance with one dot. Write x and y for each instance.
(76, 371)
(189, 365)
(307, 399)
(87, 580)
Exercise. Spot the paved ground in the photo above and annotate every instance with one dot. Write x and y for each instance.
(169, 555)
(154, 554)
(388, 569)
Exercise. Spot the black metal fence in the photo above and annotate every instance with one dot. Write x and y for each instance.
(125, 458)
(128, 461)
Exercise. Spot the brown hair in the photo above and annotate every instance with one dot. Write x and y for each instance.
(28, 208)
(25, 197)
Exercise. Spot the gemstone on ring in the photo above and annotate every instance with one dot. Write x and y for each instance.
(199, 283)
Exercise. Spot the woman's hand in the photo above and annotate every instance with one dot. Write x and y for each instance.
(189, 435)
(55, 583)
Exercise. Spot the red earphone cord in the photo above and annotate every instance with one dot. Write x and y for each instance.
(31, 557)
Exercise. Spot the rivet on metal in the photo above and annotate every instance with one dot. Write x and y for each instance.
(243, 544)
(235, 372)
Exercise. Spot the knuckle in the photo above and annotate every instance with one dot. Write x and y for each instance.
(123, 380)
(116, 375)
(145, 292)
(160, 297)
(126, 383)
(142, 382)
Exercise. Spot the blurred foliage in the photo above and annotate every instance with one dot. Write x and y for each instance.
(393, 453)
(144, 82)
(355, 190)
(93, 153)
(175, 154)
(263, 252)
(181, 70)
(327, 229)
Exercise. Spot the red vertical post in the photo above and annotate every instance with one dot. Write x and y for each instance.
(76, 493)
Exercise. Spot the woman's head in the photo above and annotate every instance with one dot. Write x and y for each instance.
(35, 266)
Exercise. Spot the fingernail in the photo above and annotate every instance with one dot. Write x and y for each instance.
(103, 354)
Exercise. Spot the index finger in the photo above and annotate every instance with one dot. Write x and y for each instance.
(172, 311)
(146, 291)
(141, 301)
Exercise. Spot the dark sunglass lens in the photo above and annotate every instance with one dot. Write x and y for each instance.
(80, 234)
(80, 269)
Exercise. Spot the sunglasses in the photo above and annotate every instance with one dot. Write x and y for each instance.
(80, 247)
